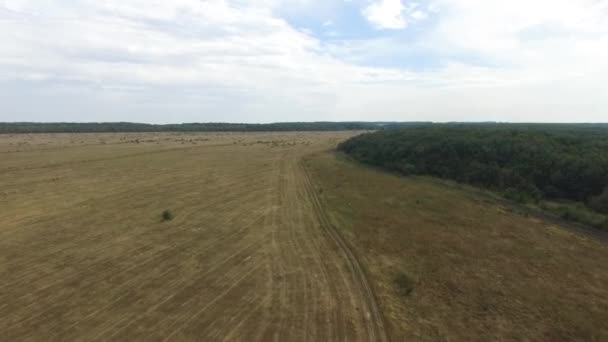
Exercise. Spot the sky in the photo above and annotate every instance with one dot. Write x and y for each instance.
(176, 61)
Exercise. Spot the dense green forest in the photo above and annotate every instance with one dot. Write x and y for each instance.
(527, 163)
(104, 127)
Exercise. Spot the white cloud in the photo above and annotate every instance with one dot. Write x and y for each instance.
(392, 14)
(419, 15)
(545, 40)
(238, 60)
(385, 14)
(243, 53)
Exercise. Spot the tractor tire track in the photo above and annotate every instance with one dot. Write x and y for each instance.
(376, 320)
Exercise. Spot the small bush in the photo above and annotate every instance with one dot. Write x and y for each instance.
(583, 215)
(168, 215)
(603, 225)
(404, 283)
(406, 169)
(600, 203)
(567, 215)
(515, 195)
(574, 214)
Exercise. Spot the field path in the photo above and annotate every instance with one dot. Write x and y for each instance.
(250, 255)
(375, 320)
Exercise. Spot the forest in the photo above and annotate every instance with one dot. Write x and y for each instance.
(108, 127)
(524, 162)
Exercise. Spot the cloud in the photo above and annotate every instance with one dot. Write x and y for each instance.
(393, 14)
(242, 60)
(136, 50)
(419, 15)
(385, 14)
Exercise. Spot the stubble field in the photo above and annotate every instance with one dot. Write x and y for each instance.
(452, 263)
(85, 254)
(274, 238)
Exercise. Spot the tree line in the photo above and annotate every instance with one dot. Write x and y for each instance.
(525, 162)
(108, 127)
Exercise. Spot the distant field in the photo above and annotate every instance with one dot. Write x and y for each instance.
(448, 264)
(271, 239)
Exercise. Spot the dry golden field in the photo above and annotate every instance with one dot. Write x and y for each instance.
(450, 263)
(85, 255)
(273, 239)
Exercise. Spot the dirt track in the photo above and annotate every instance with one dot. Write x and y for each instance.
(249, 256)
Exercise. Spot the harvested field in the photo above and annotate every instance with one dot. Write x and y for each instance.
(450, 263)
(86, 255)
(271, 237)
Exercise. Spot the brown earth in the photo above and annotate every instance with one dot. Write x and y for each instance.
(85, 255)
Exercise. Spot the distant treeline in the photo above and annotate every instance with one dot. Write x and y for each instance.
(106, 127)
(523, 161)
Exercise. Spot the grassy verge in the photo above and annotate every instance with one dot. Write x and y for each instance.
(447, 264)
(576, 212)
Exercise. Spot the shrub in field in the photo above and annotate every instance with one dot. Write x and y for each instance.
(168, 215)
(404, 283)
(581, 214)
(515, 195)
(600, 203)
